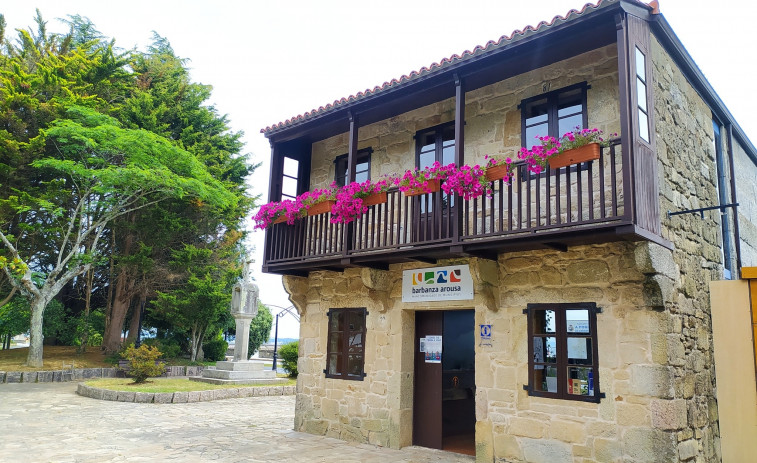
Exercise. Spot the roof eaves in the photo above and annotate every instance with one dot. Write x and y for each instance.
(435, 68)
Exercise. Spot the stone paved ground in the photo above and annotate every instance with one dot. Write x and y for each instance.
(51, 423)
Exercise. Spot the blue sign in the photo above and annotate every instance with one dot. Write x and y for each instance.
(486, 331)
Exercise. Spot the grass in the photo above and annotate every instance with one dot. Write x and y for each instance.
(55, 357)
(168, 385)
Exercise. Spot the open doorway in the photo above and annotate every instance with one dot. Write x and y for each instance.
(444, 408)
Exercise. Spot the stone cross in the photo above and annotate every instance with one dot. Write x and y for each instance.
(244, 307)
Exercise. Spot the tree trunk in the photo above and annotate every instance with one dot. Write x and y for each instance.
(193, 345)
(34, 358)
(121, 302)
(134, 323)
(87, 301)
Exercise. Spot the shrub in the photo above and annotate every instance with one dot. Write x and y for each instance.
(289, 354)
(215, 350)
(143, 362)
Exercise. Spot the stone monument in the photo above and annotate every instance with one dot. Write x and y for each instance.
(244, 307)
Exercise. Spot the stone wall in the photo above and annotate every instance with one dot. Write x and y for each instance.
(491, 114)
(638, 420)
(688, 179)
(746, 195)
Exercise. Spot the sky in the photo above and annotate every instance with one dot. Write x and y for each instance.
(271, 60)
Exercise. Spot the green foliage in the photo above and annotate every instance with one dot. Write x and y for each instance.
(170, 347)
(59, 326)
(14, 317)
(260, 328)
(289, 354)
(143, 362)
(215, 349)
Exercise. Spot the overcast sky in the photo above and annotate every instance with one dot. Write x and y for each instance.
(269, 61)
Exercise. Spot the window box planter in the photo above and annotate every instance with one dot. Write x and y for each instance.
(584, 153)
(375, 198)
(280, 219)
(434, 185)
(321, 207)
(496, 172)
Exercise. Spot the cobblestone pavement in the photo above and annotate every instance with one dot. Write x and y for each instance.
(51, 423)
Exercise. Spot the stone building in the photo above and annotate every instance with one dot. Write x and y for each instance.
(566, 317)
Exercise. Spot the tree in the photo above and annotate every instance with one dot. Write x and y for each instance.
(101, 172)
(260, 328)
(201, 300)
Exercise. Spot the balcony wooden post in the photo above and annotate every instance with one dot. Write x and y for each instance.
(626, 125)
(349, 229)
(457, 209)
(274, 194)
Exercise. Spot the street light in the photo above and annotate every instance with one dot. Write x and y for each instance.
(284, 311)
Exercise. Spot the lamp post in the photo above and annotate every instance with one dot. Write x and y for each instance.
(284, 311)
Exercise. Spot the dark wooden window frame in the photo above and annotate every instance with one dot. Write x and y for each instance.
(561, 337)
(344, 349)
(641, 97)
(365, 152)
(439, 140)
(552, 119)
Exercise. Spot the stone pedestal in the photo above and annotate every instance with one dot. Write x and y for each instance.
(241, 343)
(243, 372)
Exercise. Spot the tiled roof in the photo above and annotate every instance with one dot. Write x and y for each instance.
(438, 67)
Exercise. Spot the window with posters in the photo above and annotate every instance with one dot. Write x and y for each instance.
(563, 361)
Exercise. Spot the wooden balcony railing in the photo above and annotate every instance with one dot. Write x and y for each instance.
(569, 201)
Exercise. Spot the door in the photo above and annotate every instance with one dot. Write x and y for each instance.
(444, 403)
(434, 211)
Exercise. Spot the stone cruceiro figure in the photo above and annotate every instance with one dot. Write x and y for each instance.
(244, 307)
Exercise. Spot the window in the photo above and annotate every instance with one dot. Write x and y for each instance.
(435, 144)
(362, 167)
(289, 184)
(554, 113)
(345, 355)
(641, 95)
(562, 351)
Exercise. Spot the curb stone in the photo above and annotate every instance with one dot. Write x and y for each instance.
(180, 397)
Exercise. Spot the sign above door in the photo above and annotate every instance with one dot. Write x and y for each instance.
(449, 283)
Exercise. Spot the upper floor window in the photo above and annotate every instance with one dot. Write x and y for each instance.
(641, 95)
(435, 144)
(289, 182)
(345, 356)
(562, 351)
(362, 168)
(553, 114)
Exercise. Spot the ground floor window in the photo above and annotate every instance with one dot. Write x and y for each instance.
(563, 352)
(346, 344)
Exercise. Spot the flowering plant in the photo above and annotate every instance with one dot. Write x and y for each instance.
(537, 157)
(310, 198)
(349, 200)
(507, 162)
(419, 179)
(269, 213)
(467, 181)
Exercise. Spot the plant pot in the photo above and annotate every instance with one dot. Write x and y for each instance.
(281, 219)
(585, 153)
(433, 186)
(321, 207)
(375, 198)
(496, 172)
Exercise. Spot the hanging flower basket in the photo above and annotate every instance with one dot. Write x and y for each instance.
(321, 207)
(434, 185)
(375, 198)
(584, 153)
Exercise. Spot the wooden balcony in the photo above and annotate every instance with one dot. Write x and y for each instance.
(583, 204)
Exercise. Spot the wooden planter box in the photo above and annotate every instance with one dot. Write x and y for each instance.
(585, 153)
(496, 172)
(321, 207)
(433, 186)
(375, 198)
